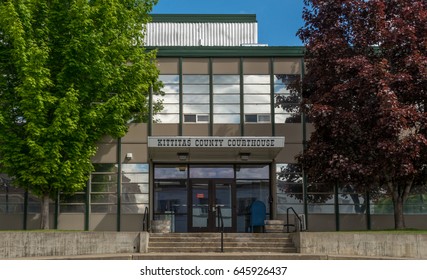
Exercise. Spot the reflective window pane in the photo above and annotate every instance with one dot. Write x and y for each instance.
(163, 118)
(135, 188)
(202, 118)
(258, 108)
(282, 208)
(256, 79)
(170, 171)
(170, 89)
(265, 98)
(285, 79)
(226, 79)
(169, 79)
(190, 118)
(222, 171)
(321, 208)
(248, 191)
(103, 198)
(105, 167)
(196, 99)
(281, 89)
(287, 118)
(135, 198)
(135, 178)
(170, 197)
(132, 208)
(253, 172)
(189, 89)
(289, 172)
(103, 187)
(227, 99)
(75, 198)
(170, 108)
(72, 208)
(195, 79)
(225, 89)
(226, 109)
(231, 118)
(194, 109)
(251, 118)
(256, 88)
(167, 98)
(103, 208)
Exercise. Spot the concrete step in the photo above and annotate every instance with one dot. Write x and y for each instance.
(226, 244)
(211, 242)
(218, 249)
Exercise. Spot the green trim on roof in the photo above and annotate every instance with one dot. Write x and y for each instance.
(203, 18)
(250, 51)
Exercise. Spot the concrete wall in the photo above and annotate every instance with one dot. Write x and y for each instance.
(362, 244)
(39, 244)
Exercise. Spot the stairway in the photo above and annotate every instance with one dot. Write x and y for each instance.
(211, 242)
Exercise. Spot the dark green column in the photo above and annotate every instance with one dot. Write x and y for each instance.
(25, 210)
(304, 147)
(181, 106)
(119, 181)
(368, 210)
(211, 98)
(150, 111)
(56, 212)
(272, 99)
(87, 204)
(242, 101)
(337, 207)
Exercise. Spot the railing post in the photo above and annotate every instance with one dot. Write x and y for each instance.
(287, 218)
(221, 224)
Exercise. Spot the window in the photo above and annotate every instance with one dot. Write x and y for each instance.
(257, 101)
(287, 101)
(170, 100)
(289, 187)
(103, 189)
(196, 118)
(257, 118)
(135, 188)
(226, 98)
(195, 96)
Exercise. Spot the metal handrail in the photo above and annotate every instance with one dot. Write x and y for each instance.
(221, 224)
(145, 220)
(287, 218)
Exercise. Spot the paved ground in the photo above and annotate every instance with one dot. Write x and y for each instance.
(208, 256)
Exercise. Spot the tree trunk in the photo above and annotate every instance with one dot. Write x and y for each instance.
(399, 220)
(45, 212)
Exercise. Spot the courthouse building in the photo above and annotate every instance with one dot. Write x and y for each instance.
(218, 140)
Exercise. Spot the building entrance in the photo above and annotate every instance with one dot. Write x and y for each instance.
(208, 199)
(189, 195)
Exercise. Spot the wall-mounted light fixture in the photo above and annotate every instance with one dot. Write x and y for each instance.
(129, 156)
(244, 156)
(182, 156)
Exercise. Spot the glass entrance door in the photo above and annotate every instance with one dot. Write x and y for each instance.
(206, 196)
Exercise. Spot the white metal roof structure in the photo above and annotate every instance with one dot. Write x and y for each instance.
(201, 30)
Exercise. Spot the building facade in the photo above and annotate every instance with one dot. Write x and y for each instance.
(216, 138)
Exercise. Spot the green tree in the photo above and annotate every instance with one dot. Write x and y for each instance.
(71, 71)
(366, 93)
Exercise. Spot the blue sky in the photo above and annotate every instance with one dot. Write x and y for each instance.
(278, 20)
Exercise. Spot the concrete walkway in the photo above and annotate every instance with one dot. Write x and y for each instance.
(210, 256)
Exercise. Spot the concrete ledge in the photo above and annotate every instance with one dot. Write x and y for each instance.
(210, 256)
(133, 245)
(47, 244)
(377, 245)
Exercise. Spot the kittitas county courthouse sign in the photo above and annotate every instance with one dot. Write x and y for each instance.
(214, 149)
(216, 142)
